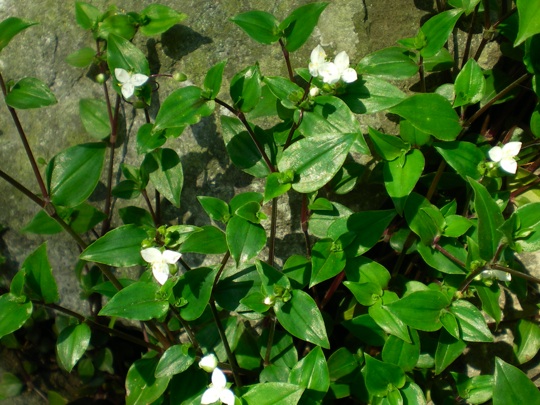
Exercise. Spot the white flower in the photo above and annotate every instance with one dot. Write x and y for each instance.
(497, 274)
(318, 57)
(218, 390)
(269, 300)
(505, 156)
(331, 72)
(160, 262)
(128, 81)
(208, 363)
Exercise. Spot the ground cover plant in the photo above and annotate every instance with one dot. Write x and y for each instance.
(384, 305)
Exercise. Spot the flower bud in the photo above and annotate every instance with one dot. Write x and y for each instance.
(208, 363)
(179, 76)
(314, 91)
(101, 78)
(269, 300)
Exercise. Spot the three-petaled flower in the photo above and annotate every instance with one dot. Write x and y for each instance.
(160, 262)
(331, 72)
(218, 391)
(505, 156)
(128, 81)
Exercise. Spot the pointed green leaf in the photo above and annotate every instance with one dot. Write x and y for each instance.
(312, 373)
(121, 53)
(469, 85)
(401, 353)
(529, 19)
(30, 93)
(39, 277)
(421, 309)
(210, 240)
(389, 147)
(73, 174)
(10, 27)
(137, 301)
(213, 79)
(245, 239)
(142, 386)
(329, 115)
(72, 344)
(259, 25)
(271, 393)
(471, 322)
(245, 88)
(437, 30)
(175, 360)
(393, 63)
(489, 296)
(327, 260)
(95, 117)
(159, 18)
(166, 174)
(13, 313)
(195, 287)
(301, 318)
(120, 247)
(11, 386)
(430, 113)
(86, 15)
(299, 25)
(527, 342)
(448, 349)
(369, 95)
(512, 386)
(382, 377)
(388, 321)
(81, 58)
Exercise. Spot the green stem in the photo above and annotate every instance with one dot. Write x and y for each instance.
(270, 342)
(24, 139)
(223, 336)
(273, 230)
(495, 266)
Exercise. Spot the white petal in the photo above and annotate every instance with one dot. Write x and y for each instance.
(171, 257)
(218, 379)
(349, 75)
(227, 397)
(495, 154)
(342, 61)
(210, 396)
(138, 79)
(509, 165)
(511, 149)
(127, 90)
(161, 272)
(329, 72)
(151, 255)
(121, 75)
(318, 55)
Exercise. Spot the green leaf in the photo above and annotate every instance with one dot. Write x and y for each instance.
(195, 287)
(30, 93)
(512, 386)
(10, 27)
(412, 135)
(389, 147)
(430, 113)
(366, 329)
(489, 220)
(142, 387)
(137, 301)
(299, 25)
(437, 30)
(216, 209)
(81, 58)
(365, 270)
(388, 321)
(210, 240)
(423, 218)
(159, 18)
(86, 15)
(436, 259)
(301, 318)
(277, 184)
(39, 278)
(245, 239)
(401, 175)
(271, 278)
(136, 216)
(467, 5)
(121, 53)
(470, 84)
(442, 60)
(327, 260)
(72, 344)
(393, 63)
(43, 224)
(315, 160)
(448, 349)
(73, 174)
(13, 313)
(116, 24)
(286, 91)
(283, 352)
(369, 95)
(148, 139)
(213, 79)
(245, 88)
(259, 25)
(166, 174)
(529, 19)
(471, 322)
(421, 309)
(489, 296)
(120, 247)
(94, 117)
(402, 353)
(312, 373)
(271, 393)
(175, 360)
(382, 377)
(412, 394)
(341, 363)
(10, 386)
(365, 293)
(183, 107)
(527, 342)
(463, 157)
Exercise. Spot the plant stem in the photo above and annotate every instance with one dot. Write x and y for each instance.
(26, 145)
(287, 59)
(221, 268)
(242, 118)
(149, 205)
(110, 170)
(95, 325)
(270, 342)
(186, 327)
(336, 282)
(273, 229)
(467, 49)
(445, 252)
(223, 336)
(495, 266)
